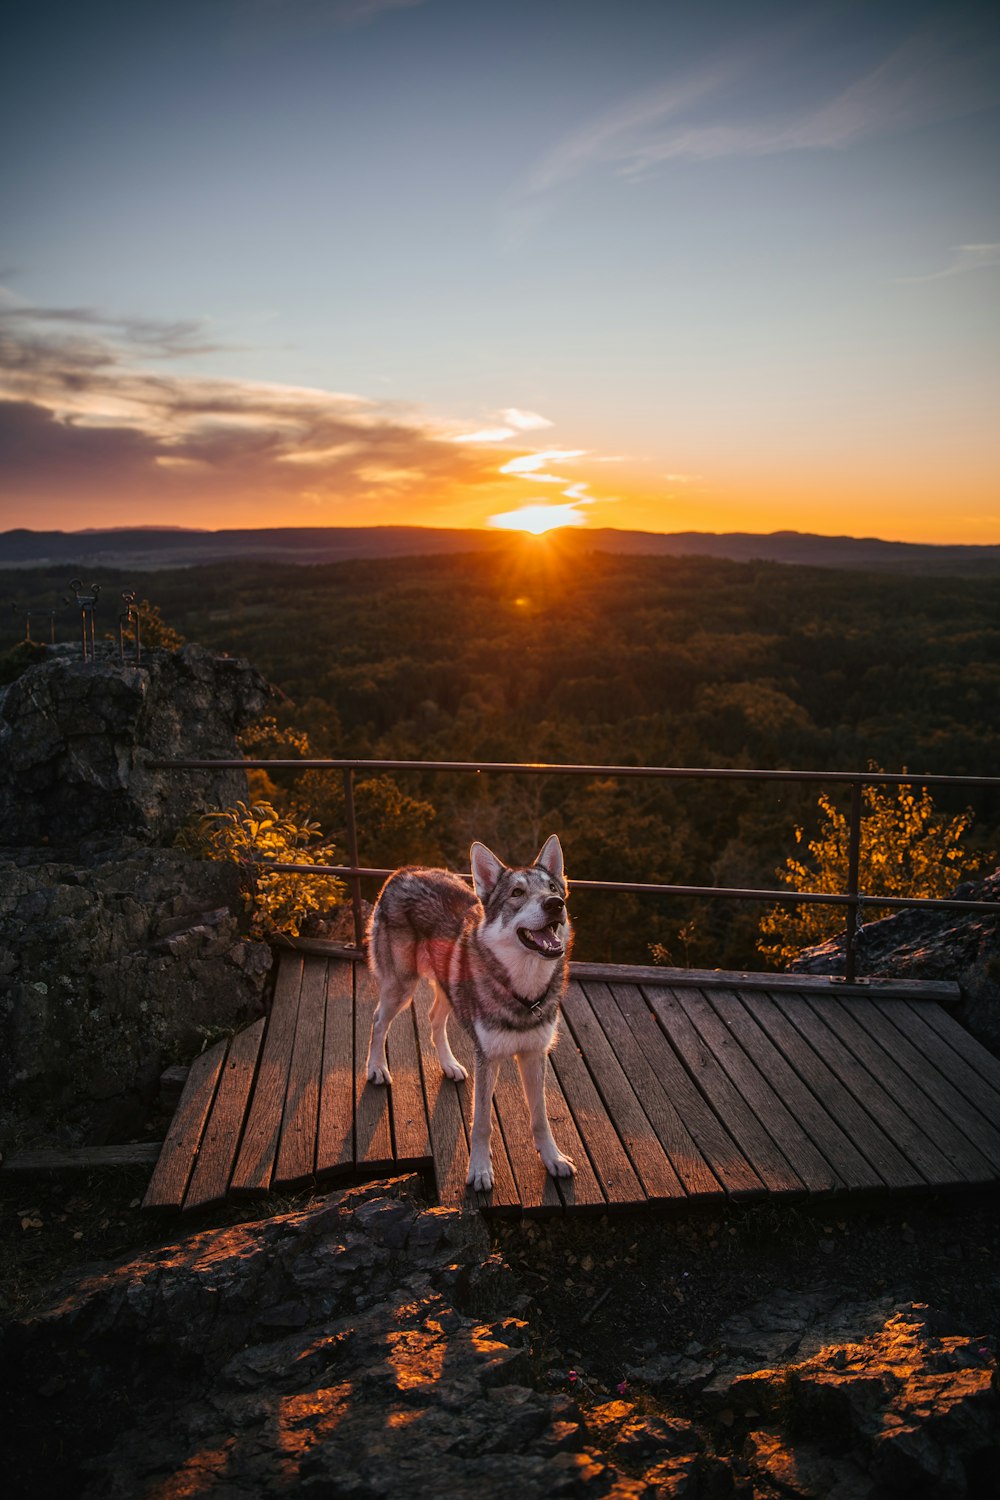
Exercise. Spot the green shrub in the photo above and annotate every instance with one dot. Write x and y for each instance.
(254, 837)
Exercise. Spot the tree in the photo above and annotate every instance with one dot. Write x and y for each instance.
(908, 848)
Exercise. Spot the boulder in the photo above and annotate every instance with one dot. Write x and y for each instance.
(77, 739)
(927, 944)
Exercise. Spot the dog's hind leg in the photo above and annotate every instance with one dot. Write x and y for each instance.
(394, 994)
(480, 1162)
(531, 1066)
(440, 1011)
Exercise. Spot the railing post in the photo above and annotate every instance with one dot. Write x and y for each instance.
(352, 854)
(853, 869)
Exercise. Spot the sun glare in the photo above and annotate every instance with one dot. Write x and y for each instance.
(538, 518)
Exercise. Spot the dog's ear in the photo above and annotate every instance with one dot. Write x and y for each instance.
(550, 856)
(486, 870)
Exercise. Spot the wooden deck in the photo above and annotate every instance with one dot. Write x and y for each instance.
(665, 1087)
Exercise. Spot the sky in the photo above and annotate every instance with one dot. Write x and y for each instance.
(714, 266)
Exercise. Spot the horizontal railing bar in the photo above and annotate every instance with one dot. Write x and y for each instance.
(690, 773)
(736, 893)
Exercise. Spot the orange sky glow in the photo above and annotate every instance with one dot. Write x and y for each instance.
(661, 268)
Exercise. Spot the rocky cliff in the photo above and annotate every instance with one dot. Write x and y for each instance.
(116, 949)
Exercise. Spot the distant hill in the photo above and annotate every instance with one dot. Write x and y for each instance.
(173, 547)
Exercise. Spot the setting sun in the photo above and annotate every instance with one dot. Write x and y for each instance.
(538, 518)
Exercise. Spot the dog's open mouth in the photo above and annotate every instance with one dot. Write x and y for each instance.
(543, 940)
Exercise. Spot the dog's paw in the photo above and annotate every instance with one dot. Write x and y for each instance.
(453, 1069)
(558, 1165)
(378, 1074)
(480, 1176)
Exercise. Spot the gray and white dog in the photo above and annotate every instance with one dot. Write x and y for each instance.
(497, 958)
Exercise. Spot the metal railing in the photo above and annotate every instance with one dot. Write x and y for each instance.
(852, 898)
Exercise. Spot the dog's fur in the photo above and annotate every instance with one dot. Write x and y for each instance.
(498, 959)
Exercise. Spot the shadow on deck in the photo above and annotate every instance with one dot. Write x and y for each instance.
(665, 1086)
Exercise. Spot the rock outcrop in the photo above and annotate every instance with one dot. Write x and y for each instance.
(111, 961)
(366, 1346)
(115, 951)
(371, 1346)
(928, 944)
(77, 739)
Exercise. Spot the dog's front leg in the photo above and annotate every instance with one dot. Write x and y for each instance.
(480, 1163)
(532, 1069)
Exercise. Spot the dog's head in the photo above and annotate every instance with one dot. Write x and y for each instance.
(526, 904)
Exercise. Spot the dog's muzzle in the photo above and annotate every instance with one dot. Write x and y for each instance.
(546, 941)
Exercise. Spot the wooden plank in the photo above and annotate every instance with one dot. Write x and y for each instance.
(372, 1102)
(694, 1174)
(503, 1197)
(255, 1162)
(536, 1190)
(651, 1164)
(942, 1108)
(736, 1114)
(84, 1158)
(962, 1163)
(583, 1189)
(296, 1158)
(811, 1122)
(944, 991)
(808, 1108)
(615, 1173)
(973, 1104)
(335, 1134)
(449, 1142)
(412, 1140)
(220, 1142)
(889, 1165)
(964, 1043)
(712, 1139)
(713, 1022)
(867, 1088)
(170, 1175)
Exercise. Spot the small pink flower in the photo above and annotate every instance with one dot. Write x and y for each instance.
(573, 1377)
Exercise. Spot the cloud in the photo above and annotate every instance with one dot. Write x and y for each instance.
(155, 338)
(514, 421)
(946, 71)
(484, 435)
(81, 421)
(966, 258)
(524, 421)
(529, 465)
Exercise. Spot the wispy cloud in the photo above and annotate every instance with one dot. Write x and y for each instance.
(154, 338)
(531, 465)
(514, 421)
(943, 72)
(966, 258)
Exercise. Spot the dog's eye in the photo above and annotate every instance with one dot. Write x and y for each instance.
(517, 890)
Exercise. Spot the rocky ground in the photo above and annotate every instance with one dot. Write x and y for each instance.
(366, 1343)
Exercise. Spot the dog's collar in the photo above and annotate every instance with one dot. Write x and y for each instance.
(531, 1006)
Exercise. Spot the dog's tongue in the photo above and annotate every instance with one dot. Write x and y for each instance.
(546, 937)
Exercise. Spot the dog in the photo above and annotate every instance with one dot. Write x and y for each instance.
(497, 957)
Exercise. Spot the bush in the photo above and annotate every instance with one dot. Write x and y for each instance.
(908, 848)
(253, 837)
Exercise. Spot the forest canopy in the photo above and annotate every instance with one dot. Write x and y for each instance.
(526, 654)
